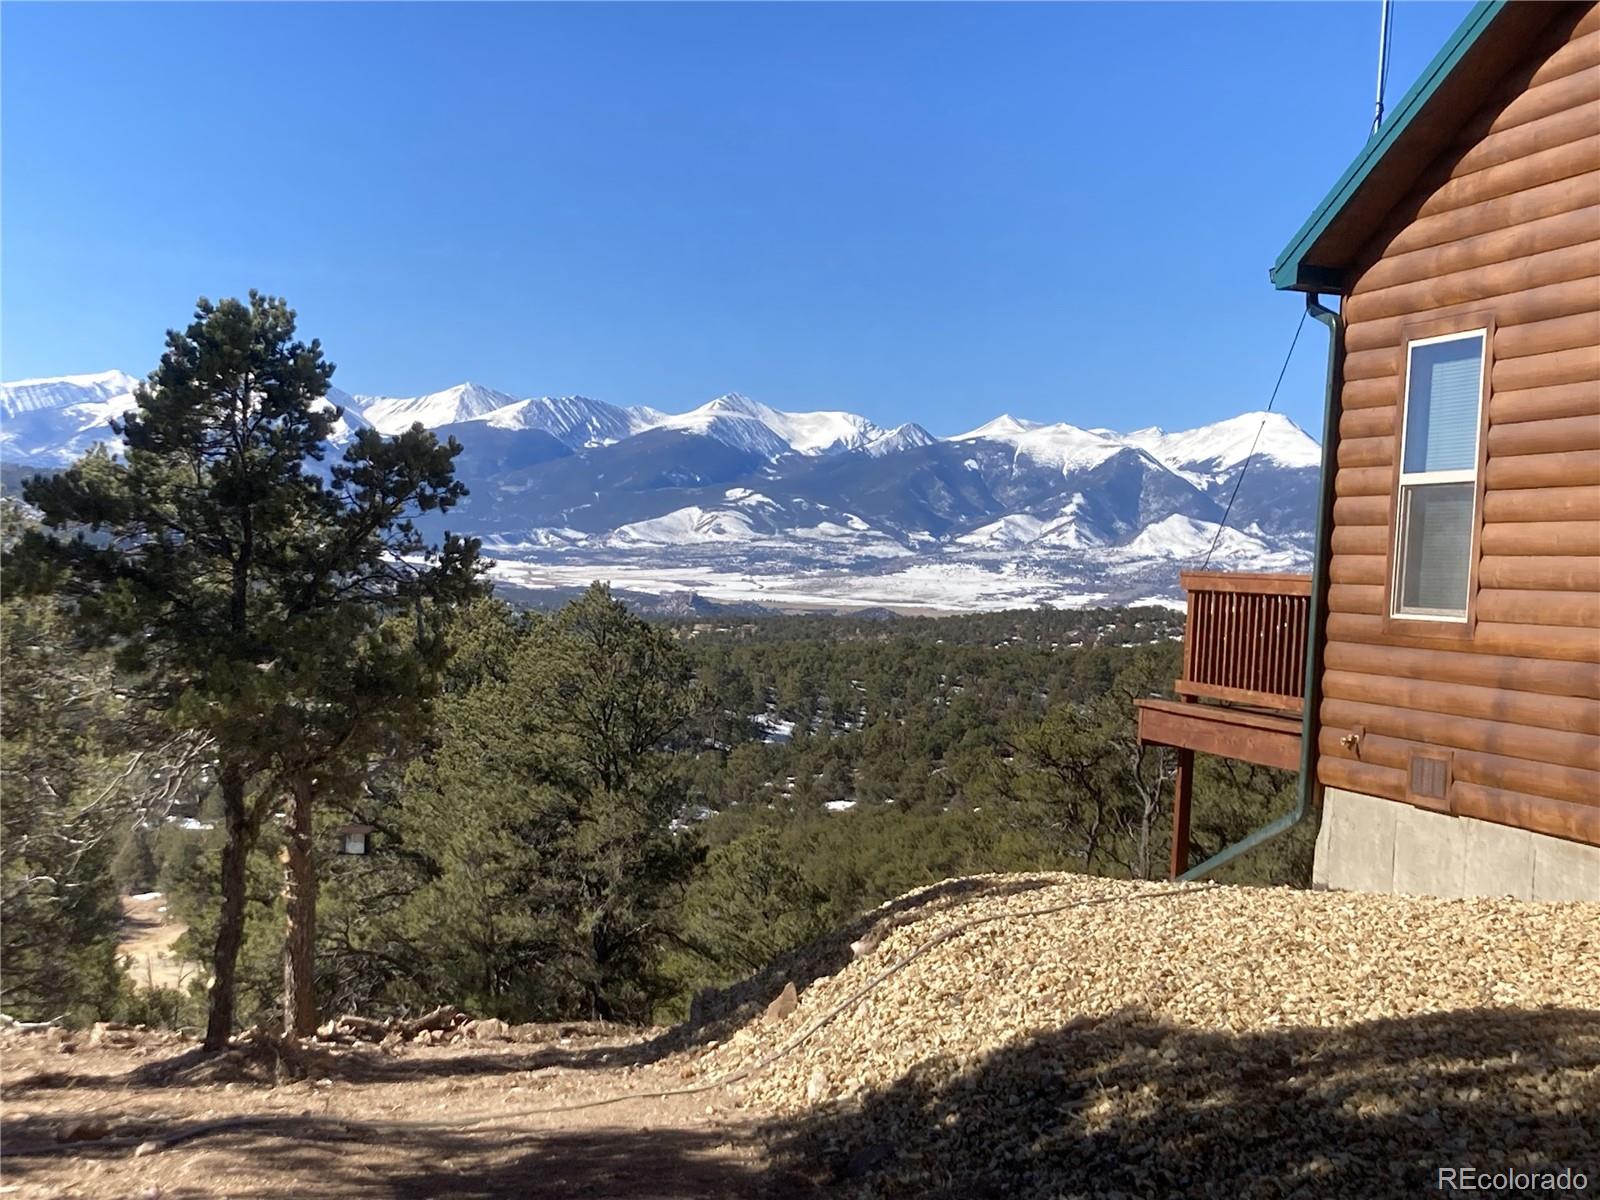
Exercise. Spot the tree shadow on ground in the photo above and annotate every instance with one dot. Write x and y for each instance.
(1124, 1105)
(277, 1155)
(1128, 1106)
(263, 1064)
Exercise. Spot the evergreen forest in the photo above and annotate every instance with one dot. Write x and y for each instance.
(231, 655)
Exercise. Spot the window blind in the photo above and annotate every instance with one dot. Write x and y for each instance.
(1442, 406)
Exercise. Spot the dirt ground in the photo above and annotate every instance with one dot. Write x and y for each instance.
(1025, 1037)
(150, 1085)
(145, 940)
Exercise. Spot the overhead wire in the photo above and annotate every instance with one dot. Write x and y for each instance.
(1254, 442)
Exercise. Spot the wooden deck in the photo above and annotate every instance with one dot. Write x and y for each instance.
(1243, 685)
(1270, 739)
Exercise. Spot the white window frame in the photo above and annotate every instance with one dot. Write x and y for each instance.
(1411, 479)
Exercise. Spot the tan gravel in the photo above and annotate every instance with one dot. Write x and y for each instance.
(1158, 1039)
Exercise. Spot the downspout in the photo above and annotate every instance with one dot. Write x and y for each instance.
(1308, 795)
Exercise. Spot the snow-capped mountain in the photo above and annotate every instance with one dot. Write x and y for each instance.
(733, 421)
(742, 422)
(350, 418)
(1060, 445)
(464, 402)
(54, 421)
(1283, 463)
(51, 422)
(1212, 451)
(575, 421)
(902, 437)
(778, 506)
(34, 395)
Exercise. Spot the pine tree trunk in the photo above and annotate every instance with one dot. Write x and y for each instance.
(230, 922)
(300, 903)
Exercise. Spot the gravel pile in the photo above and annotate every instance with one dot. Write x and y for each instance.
(1200, 1040)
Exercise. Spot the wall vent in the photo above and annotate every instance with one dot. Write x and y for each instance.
(1428, 781)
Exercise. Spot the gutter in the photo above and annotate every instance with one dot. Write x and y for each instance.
(1308, 796)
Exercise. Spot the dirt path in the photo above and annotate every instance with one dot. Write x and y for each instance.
(145, 939)
(683, 1148)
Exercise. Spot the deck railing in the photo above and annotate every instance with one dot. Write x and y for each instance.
(1245, 638)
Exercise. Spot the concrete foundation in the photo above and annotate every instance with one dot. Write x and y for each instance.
(1367, 844)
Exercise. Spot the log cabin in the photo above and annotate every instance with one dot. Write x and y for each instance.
(1435, 678)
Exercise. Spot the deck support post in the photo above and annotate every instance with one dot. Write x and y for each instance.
(1182, 794)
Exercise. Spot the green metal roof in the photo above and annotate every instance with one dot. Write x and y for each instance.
(1296, 267)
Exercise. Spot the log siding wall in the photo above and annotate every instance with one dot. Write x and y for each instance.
(1505, 224)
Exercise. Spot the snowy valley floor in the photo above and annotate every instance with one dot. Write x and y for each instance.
(919, 588)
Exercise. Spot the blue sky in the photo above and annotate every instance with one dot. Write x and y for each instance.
(931, 213)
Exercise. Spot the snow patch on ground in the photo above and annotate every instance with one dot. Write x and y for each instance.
(741, 495)
(774, 730)
(1183, 537)
(190, 825)
(1014, 529)
(544, 538)
(685, 524)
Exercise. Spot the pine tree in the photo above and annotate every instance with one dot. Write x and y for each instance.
(748, 905)
(58, 904)
(546, 816)
(360, 676)
(133, 867)
(247, 586)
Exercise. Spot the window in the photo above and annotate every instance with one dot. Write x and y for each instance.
(353, 842)
(1438, 476)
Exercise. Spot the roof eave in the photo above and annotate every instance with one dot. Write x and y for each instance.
(1295, 269)
(1301, 276)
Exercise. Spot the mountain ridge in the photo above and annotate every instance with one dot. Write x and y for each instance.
(807, 432)
(1036, 511)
